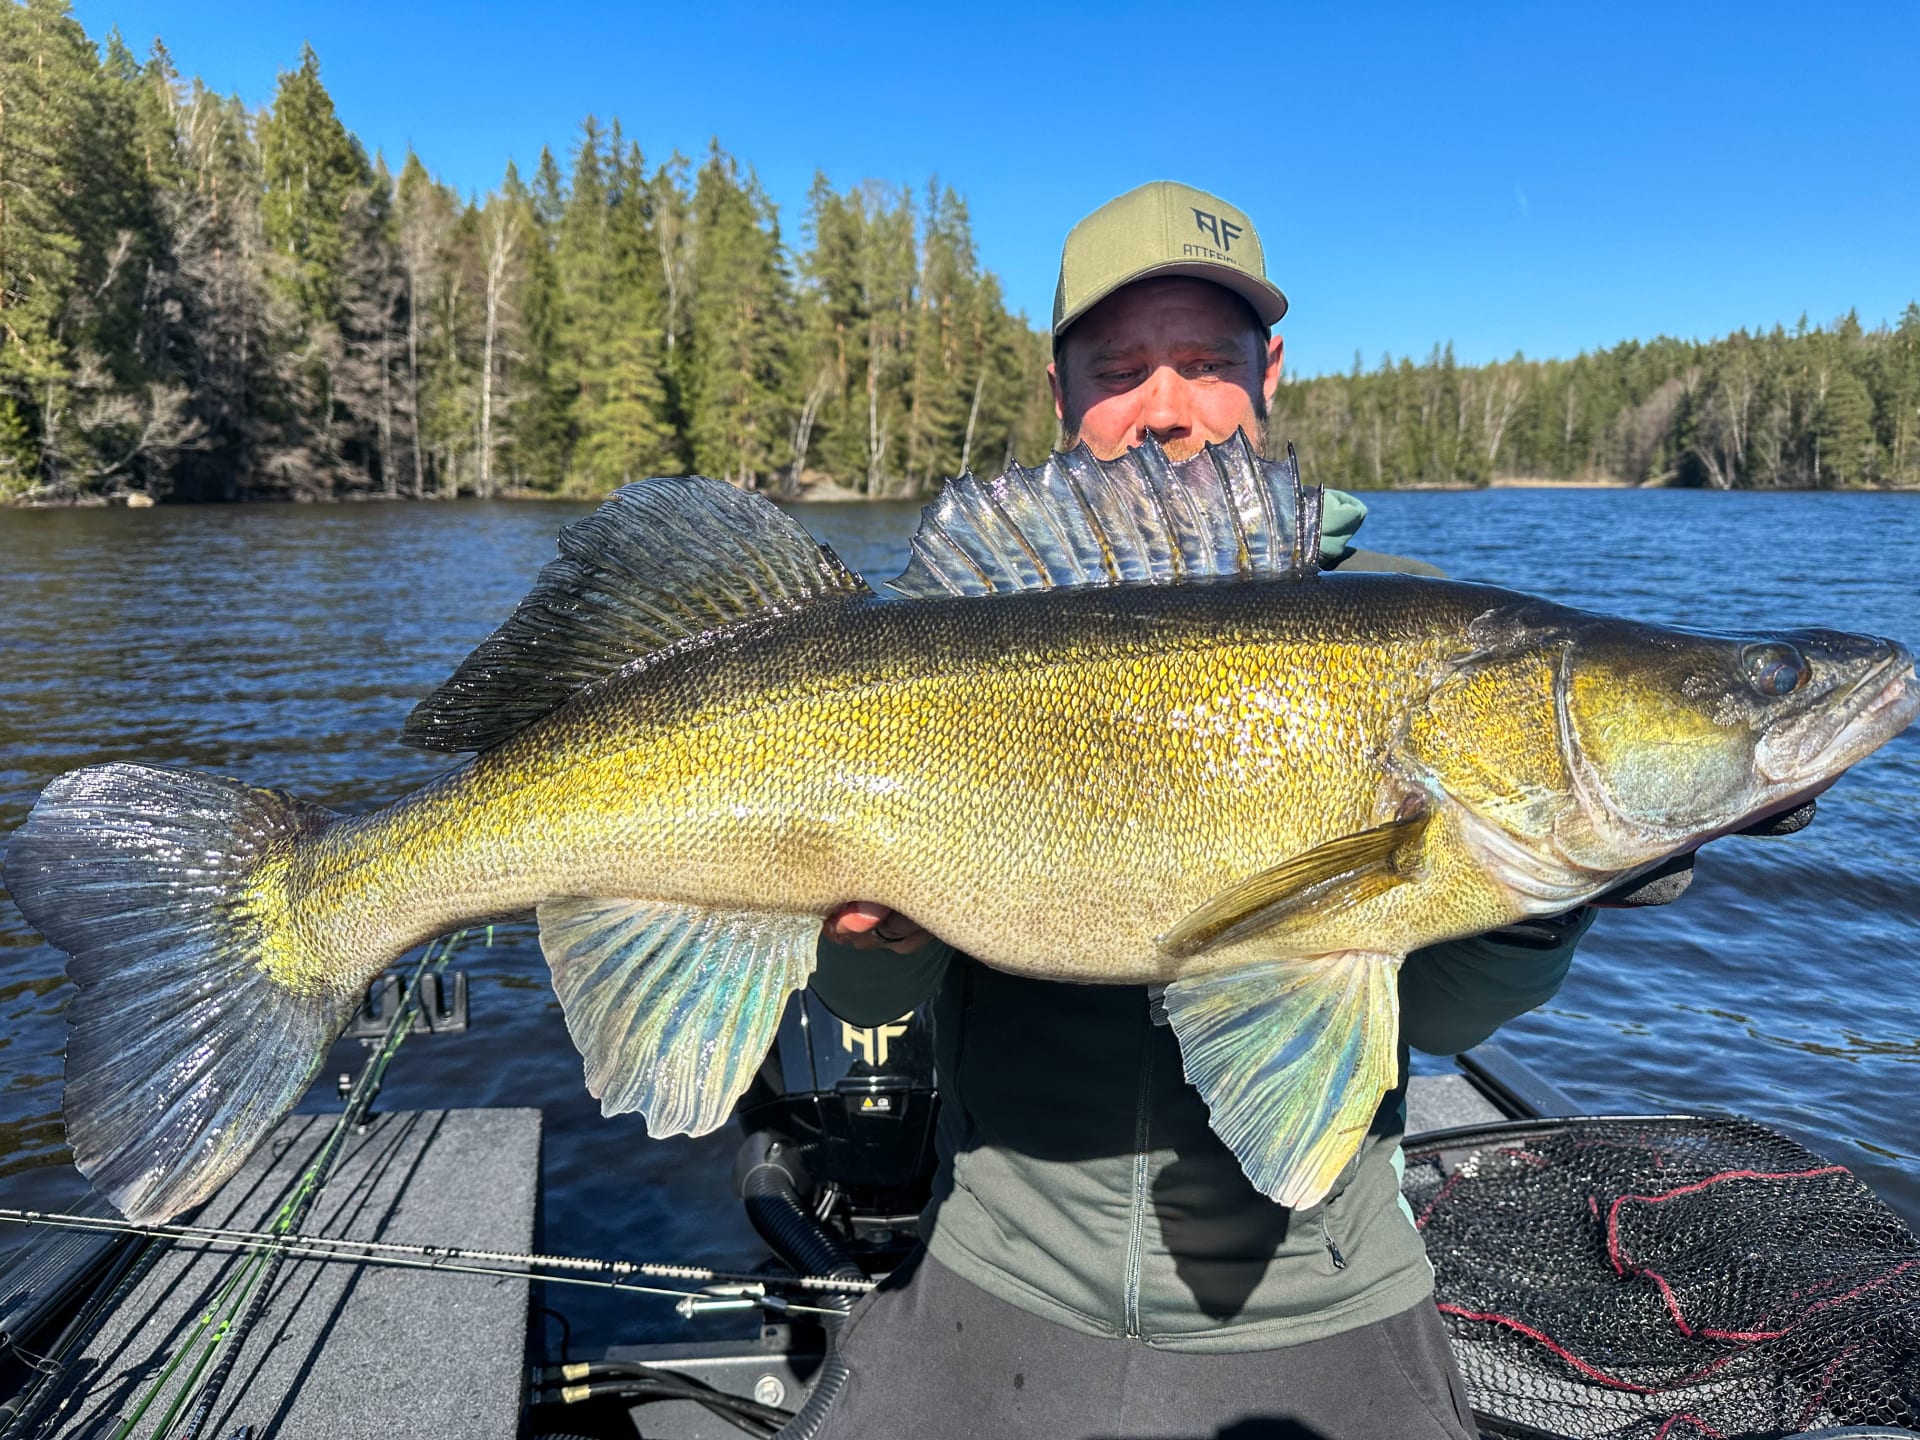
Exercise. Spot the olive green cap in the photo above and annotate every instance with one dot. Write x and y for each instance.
(1162, 228)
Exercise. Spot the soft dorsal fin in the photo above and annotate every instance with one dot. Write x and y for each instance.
(1138, 520)
(660, 562)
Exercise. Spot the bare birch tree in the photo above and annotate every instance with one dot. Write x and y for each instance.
(1500, 402)
(803, 422)
(501, 231)
(425, 220)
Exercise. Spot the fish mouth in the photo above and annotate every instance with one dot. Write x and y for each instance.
(1877, 707)
(1886, 714)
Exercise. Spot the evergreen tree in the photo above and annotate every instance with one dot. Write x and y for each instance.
(1010, 415)
(612, 337)
(671, 210)
(739, 416)
(1845, 452)
(118, 209)
(158, 106)
(831, 362)
(372, 418)
(58, 220)
(887, 274)
(453, 328)
(537, 433)
(311, 167)
(1900, 388)
(314, 174)
(944, 362)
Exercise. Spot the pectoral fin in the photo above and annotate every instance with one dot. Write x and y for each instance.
(673, 1007)
(1292, 1058)
(1324, 881)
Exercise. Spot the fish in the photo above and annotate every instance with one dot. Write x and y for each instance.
(1115, 725)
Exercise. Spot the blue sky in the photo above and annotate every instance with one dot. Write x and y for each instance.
(1546, 178)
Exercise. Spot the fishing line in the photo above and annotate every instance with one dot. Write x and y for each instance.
(457, 1260)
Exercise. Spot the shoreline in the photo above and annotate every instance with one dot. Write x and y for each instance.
(832, 493)
(1547, 482)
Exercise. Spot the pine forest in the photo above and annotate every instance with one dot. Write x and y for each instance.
(199, 302)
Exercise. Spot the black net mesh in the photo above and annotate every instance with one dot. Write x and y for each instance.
(1667, 1279)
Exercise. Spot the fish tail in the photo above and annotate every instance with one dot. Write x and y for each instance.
(200, 1017)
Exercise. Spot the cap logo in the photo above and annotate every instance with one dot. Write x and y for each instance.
(1224, 232)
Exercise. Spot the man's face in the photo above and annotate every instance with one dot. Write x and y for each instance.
(1175, 358)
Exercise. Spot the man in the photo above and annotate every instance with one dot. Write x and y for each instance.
(1095, 1262)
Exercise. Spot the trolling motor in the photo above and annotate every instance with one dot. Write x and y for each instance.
(838, 1158)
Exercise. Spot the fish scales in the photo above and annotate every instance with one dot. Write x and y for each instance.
(1107, 759)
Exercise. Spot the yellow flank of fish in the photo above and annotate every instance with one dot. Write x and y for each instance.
(264, 904)
(1051, 793)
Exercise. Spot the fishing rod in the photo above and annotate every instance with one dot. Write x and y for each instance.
(228, 1318)
(455, 1259)
(123, 1273)
(226, 1322)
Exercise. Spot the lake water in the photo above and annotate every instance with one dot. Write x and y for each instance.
(285, 645)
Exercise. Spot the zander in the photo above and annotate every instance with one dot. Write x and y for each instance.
(1117, 730)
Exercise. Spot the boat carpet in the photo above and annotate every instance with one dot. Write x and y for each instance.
(345, 1351)
(1441, 1102)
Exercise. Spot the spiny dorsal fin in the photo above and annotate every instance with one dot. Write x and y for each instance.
(1309, 510)
(660, 562)
(1138, 520)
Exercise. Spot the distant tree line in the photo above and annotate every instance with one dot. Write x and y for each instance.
(200, 302)
(204, 303)
(1808, 408)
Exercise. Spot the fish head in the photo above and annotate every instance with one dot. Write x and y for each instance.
(1577, 749)
(1673, 737)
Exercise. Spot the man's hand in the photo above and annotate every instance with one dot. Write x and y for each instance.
(1662, 885)
(867, 926)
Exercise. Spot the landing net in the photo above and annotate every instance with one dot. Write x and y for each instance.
(1667, 1279)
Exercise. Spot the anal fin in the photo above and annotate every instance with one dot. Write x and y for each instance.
(1293, 1058)
(1305, 888)
(673, 1007)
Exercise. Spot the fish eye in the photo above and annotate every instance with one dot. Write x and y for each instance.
(1774, 670)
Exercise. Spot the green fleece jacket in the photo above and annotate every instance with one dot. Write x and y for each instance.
(1079, 1179)
(1078, 1176)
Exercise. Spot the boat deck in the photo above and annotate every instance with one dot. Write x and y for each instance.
(344, 1351)
(1444, 1102)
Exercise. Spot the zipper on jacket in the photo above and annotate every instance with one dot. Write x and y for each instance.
(1333, 1250)
(1137, 1217)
